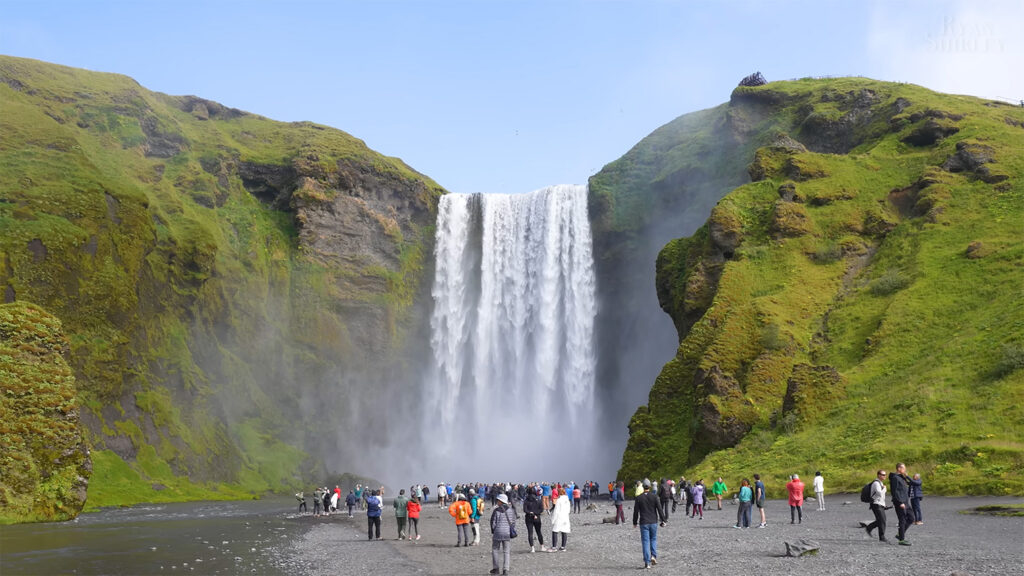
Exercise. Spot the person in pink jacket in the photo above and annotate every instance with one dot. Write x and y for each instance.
(796, 500)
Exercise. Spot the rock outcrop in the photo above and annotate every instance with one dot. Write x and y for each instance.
(46, 461)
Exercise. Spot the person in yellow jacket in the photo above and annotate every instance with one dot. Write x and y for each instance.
(462, 512)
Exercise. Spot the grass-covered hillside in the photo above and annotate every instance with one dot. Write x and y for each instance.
(858, 302)
(231, 287)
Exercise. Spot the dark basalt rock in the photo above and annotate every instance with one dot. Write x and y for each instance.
(972, 157)
(929, 132)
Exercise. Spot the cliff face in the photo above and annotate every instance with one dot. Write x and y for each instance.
(236, 291)
(836, 311)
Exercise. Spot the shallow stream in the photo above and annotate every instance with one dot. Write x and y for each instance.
(241, 537)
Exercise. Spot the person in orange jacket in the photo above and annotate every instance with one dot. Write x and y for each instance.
(461, 511)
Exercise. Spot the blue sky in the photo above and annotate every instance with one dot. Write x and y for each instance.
(511, 96)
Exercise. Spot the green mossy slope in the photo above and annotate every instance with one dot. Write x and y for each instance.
(44, 458)
(193, 254)
(858, 303)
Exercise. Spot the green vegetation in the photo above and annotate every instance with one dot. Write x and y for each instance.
(858, 304)
(185, 246)
(44, 459)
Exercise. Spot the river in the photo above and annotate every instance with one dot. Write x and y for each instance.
(239, 537)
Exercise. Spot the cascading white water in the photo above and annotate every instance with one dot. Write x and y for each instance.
(512, 389)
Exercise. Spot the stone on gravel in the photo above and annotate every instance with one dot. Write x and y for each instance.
(801, 547)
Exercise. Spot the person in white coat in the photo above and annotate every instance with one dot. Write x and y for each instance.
(560, 523)
(819, 490)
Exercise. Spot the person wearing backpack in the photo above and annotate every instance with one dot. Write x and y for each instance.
(875, 494)
(373, 511)
(461, 511)
(476, 503)
(503, 530)
(532, 508)
(619, 497)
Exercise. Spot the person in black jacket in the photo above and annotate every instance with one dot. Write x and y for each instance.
(899, 489)
(533, 509)
(647, 512)
(664, 498)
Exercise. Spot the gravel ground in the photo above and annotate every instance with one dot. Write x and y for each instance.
(947, 542)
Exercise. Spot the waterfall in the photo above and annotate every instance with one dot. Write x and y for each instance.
(511, 392)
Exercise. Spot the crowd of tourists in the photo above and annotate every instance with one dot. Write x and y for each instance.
(502, 506)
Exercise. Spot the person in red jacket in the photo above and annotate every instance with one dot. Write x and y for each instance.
(796, 500)
(413, 508)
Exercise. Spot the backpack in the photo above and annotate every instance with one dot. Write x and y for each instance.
(460, 512)
(479, 506)
(865, 493)
(373, 504)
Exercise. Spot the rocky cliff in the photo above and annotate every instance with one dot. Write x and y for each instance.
(237, 293)
(856, 302)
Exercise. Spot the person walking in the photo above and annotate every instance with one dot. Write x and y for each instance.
(746, 497)
(373, 512)
(647, 512)
(719, 489)
(618, 496)
(576, 499)
(545, 499)
(503, 526)
(532, 508)
(301, 497)
(664, 499)
(819, 490)
(359, 495)
(916, 495)
(413, 508)
(759, 498)
(350, 501)
(878, 506)
(587, 491)
(461, 511)
(795, 488)
(560, 521)
(401, 506)
(899, 488)
(698, 499)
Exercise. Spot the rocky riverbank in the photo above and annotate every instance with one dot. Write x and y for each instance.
(948, 542)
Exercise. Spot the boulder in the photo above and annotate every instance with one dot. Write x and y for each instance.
(976, 250)
(801, 548)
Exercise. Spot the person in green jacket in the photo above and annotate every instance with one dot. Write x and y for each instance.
(719, 489)
(401, 505)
